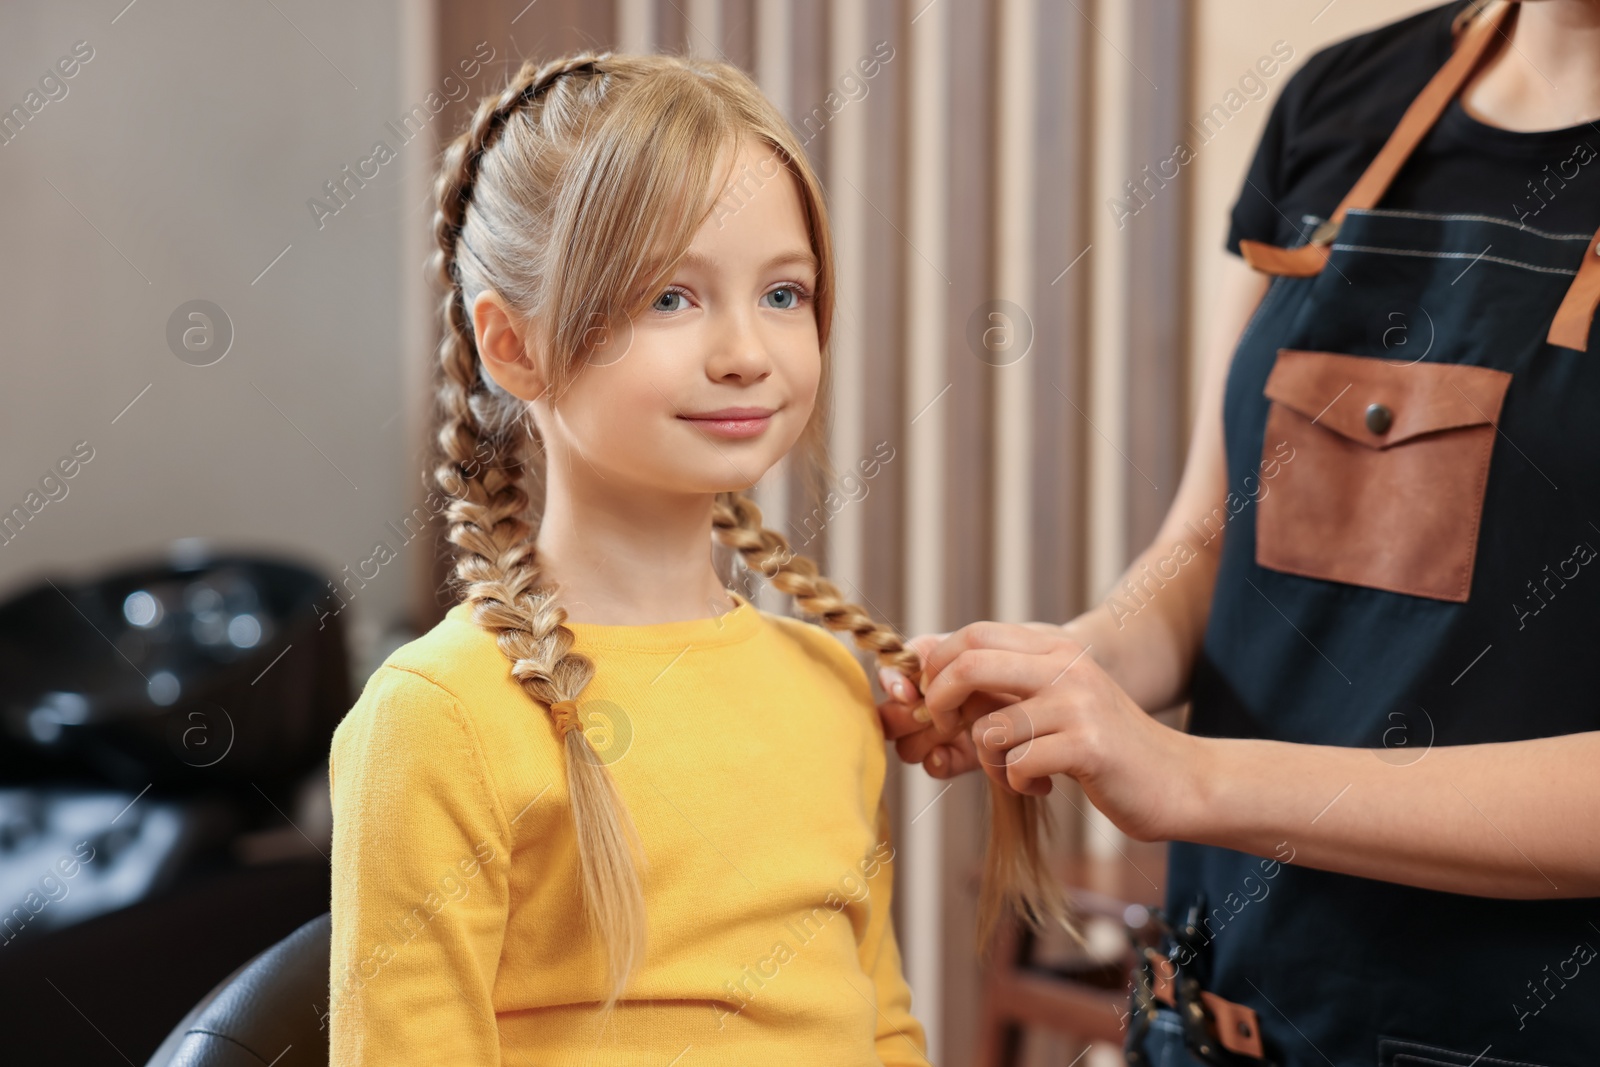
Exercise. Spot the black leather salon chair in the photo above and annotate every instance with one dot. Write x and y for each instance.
(271, 1010)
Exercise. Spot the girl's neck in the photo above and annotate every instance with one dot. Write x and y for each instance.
(622, 557)
(1547, 76)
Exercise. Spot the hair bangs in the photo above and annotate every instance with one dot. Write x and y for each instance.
(637, 193)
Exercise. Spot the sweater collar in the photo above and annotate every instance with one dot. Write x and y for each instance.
(736, 624)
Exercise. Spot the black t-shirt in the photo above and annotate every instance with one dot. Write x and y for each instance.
(1336, 112)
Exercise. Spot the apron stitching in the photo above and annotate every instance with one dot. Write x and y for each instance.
(1430, 217)
(1399, 1044)
(1452, 255)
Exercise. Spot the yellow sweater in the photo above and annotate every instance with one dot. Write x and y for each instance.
(748, 752)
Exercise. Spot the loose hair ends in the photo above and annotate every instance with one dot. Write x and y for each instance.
(1016, 874)
(608, 845)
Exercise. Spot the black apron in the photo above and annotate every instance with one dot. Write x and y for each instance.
(1412, 429)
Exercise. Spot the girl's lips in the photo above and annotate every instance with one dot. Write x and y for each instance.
(732, 422)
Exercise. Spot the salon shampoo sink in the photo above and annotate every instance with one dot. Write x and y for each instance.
(198, 672)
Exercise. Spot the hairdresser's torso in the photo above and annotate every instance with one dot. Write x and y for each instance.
(1458, 271)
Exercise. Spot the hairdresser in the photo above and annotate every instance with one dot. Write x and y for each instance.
(1391, 651)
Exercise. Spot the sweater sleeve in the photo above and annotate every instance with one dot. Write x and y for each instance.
(421, 854)
(900, 1038)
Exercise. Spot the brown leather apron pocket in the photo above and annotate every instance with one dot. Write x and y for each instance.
(1389, 467)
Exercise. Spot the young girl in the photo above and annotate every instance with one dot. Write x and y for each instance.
(602, 741)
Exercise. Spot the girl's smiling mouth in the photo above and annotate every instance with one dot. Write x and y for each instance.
(731, 422)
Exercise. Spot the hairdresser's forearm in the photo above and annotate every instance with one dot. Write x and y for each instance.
(1517, 819)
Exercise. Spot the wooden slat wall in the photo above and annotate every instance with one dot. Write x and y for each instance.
(967, 419)
(920, 828)
(1156, 264)
(1061, 233)
(965, 174)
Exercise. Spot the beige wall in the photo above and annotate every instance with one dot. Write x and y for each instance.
(178, 167)
(1229, 36)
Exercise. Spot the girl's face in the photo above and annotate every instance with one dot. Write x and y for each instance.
(713, 383)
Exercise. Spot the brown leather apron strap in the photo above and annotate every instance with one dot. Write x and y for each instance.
(1309, 259)
(1575, 318)
(1237, 1028)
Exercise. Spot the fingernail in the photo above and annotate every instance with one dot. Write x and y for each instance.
(936, 760)
(902, 691)
(920, 713)
(889, 679)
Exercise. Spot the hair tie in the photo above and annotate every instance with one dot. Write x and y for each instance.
(564, 713)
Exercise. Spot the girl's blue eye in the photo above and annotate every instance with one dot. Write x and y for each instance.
(667, 301)
(785, 298)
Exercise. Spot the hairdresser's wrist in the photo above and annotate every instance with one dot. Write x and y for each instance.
(1188, 806)
(1095, 632)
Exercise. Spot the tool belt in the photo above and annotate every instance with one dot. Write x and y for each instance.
(1215, 1030)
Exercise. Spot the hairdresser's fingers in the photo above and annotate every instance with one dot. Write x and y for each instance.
(983, 670)
(952, 759)
(896, 684)
(914, 746)
(1001, 636)
(999, 733)
(1002, 740)
(994, 770)
(1028, 767)
(1021, 783)
(900, 720)
(903, 711)
(898, 687)
(915, 741)
(917, 745)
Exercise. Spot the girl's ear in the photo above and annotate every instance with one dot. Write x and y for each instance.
(506, 346)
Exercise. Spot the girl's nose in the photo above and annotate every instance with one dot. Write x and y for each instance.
(737, 352)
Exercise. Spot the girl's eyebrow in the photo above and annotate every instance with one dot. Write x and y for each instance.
(804, 258)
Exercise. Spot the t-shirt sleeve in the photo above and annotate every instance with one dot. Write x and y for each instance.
(1257, 214)
(1331, 117)
(421, 855)
(1289, 175)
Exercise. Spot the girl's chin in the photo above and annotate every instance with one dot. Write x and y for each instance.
(703, 467)
(700, 481)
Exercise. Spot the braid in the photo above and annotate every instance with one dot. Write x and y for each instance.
(458, 170)
(490, 524)
(737, 522)
(1016, 875)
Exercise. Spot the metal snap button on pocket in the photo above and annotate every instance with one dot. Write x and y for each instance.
(1379, 419)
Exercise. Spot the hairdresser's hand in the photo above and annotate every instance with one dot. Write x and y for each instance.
(906, 722)
(1063, 715)
(942, 753)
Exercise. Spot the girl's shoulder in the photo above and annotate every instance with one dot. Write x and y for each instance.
(455, 655)
(826, 650)
(455, 671)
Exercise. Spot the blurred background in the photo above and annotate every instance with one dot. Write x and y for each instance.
(217, 338)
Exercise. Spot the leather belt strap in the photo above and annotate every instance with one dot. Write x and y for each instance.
(1575, 319)
(1237, 1027)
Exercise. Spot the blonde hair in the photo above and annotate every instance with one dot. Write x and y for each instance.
(571, 194)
